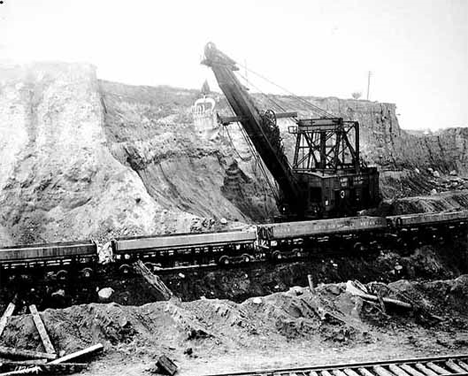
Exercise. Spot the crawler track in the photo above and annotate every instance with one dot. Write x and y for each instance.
(451, 365)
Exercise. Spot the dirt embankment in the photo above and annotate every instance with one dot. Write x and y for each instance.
(289, 328)
(83, 158)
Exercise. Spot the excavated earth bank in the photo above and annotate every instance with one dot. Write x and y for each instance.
(286, 328)
(84, 158)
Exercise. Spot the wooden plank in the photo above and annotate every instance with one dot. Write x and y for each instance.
(350, 372)
(12, 352)
(30, 362)
(425, 370)
(436, 368)
(89, 350)
(463, 364)
(166, 365)
(4, 320)
(397, 370)
(35, 369)
(382, 371)
(311, 283)
(156, 282)
(338, 372)
(40, 365)
(365, 372)
(49, 348)
(411, 370)
(63, 367)
(454, 367)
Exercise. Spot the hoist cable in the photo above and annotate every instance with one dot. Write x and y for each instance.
(316, 108)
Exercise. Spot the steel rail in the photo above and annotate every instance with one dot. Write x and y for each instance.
(354, 367)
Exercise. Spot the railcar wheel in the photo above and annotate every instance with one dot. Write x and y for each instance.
(358, 247)
(125, 269)
(297, 252)
(246, 257)
(87, 273)
(62, 275)
(277, 255)
(224, 260)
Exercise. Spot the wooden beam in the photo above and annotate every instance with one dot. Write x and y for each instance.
(30, 354)
(35, 369)
(158, 285)
(89, 350)
(4, 320)
(49, 348)
(166, 365)
(30, 362)
(40, 365)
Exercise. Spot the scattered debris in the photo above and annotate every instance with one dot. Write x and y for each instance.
(42, 330)
(105, 294)
(4, 320)
(311, 282)
(166, 366)
(10, 352)
(39, 359)
(58, 294)
(358, 289)
(90, 350)
(160, 288)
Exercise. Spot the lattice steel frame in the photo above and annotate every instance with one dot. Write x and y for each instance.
(326, 145)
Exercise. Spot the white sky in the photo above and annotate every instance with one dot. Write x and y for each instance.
(417, 50)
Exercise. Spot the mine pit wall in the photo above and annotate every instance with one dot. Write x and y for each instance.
(151, 131)
(84, 158)
(59, 179)
(403, 157)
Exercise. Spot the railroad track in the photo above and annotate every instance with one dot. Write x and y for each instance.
(452, 365)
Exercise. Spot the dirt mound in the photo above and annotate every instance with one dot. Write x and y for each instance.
(213, 331)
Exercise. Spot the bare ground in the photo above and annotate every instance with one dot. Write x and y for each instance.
(282, 329)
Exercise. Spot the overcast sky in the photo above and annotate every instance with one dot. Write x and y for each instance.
(417, 50)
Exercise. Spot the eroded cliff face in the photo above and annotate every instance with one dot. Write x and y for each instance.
(83, 158)
(58, 178)
(151, 131)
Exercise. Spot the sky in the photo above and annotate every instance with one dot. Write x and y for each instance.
(417, 50)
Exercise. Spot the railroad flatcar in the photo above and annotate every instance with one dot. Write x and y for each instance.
(171, 250)
(297, 239)
(261, 242)
(411, 229)
(426, 219)
(56, 257)
(290, 230)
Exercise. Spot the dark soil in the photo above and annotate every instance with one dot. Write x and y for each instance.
(429, 262)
